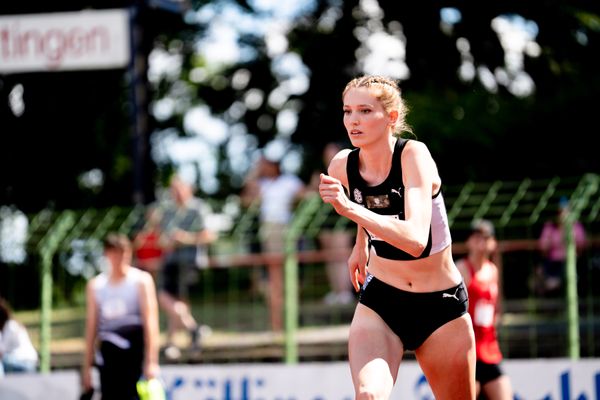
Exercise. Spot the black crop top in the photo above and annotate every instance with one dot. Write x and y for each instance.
(386, 198)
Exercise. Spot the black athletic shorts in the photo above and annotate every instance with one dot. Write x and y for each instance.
(413, 316)
(122, 368)
(179, 272)
(485, 372)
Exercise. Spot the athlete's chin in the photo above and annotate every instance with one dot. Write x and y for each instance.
(357, 138)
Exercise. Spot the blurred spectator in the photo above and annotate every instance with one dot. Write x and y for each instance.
(17, 353)
(481, 276)
(185, 238)
(122, 332)
(552, 245)
(335, 241)
(13, 235)
(277, 194)
(148, 249)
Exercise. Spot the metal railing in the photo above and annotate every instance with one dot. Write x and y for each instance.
(517, 208)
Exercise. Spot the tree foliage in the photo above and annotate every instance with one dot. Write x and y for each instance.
(80, 121)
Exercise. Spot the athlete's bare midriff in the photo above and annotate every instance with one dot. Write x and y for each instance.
(430, 274)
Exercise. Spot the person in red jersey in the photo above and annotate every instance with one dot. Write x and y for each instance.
(147, 246)
(482, 279)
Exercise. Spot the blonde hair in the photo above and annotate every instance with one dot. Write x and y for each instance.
(388, 93)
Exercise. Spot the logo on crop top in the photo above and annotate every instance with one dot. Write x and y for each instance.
(358, 196)
(397, 192)
(380, 201)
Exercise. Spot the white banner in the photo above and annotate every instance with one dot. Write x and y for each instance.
(543, 379)
(91, 39)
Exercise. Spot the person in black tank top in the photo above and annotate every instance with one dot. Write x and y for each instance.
(411, 293)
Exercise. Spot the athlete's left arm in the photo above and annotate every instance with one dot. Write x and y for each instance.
(418, 174)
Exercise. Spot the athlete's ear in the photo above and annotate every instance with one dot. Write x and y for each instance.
(393, 116)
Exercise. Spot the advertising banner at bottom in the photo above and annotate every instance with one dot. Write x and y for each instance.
(538, 379)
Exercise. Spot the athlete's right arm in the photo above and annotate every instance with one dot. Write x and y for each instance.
(333, 191)
(337, 167)
(357, 262)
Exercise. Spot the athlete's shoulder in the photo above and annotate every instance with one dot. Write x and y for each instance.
(97, 282)
(138, 275)
(337, 166)
(416, 148)
(338, 162)
(341, 155)
(493, 269)
(416, 155)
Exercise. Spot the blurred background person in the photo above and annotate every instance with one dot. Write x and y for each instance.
(481, 276)
(17, 353)
(552, 246)
(148, 249)
(278, 193)
(122, 331)
(185, 239)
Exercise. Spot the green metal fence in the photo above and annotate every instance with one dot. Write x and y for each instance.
(225, 298)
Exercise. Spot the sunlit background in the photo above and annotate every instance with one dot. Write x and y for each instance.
(504, 94)
(213, 83)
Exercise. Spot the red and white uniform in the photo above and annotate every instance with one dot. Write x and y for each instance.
(483, 299)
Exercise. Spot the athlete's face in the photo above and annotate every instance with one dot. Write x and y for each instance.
(118, 257)
(480, 243)
(365, 118)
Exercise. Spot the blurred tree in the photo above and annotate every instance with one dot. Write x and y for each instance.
(75, 124)
(470, 93)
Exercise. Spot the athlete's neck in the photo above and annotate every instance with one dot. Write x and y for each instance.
(375, 160)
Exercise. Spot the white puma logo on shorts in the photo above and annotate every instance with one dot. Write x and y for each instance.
(448, 295)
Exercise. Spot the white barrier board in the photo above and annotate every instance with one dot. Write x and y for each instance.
(541, 379)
